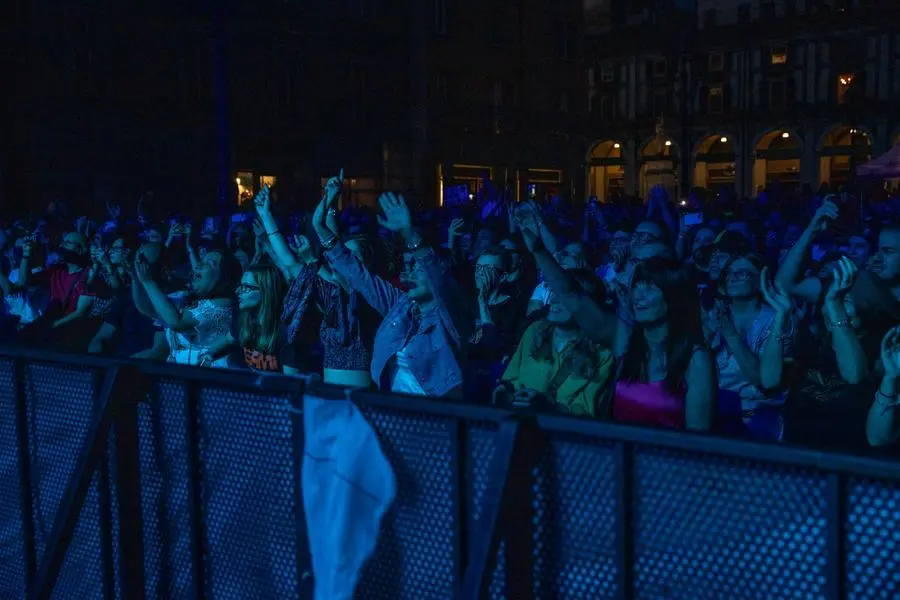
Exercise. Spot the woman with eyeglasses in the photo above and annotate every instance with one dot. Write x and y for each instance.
(750, 331)
(257, 341)
(666, 374)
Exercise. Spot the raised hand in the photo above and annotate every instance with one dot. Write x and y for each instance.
(263, 201)
(844, 274)
(774, 294)
(333, 190)
(826, 213)
(890, 353)
(455, 229)
(396, 213)
(142, 271)
(529, 225)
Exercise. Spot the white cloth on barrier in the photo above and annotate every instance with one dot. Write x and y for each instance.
(348, 486)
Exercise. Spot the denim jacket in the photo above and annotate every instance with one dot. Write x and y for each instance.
(435, 350)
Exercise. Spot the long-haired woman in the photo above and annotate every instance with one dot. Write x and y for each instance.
(259, 332)
(348, 325)
(750, 331)
(197, 320)
(667, 374)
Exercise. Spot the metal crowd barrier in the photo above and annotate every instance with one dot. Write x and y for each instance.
(128, 480)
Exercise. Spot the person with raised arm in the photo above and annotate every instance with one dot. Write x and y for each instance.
(423, 337)
(858, 308)
(883, 423)
(348, 326)
(667, 376)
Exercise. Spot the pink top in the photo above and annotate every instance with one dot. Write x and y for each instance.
(648, 404)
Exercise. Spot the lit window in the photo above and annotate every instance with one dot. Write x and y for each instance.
(245, 189)
(779, 55)
(844, 83)
(716, 99)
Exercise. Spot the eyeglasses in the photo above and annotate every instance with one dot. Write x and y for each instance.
(245, 288)
(741, 275)
(644, 236)
(485, 268)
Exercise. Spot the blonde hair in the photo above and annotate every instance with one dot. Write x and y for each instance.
(259, 329)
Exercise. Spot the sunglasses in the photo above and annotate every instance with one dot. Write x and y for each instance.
(246, 288)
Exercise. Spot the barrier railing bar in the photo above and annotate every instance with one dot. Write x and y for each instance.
(623, 459)
(486, 537)
(104, 501)
(458, 466)
(76, 491)
(836, 563)
(44, 356)
(860, 464)
(712, 445)
(302, 554)
(430, 406)
(25, 484)
(128, 484)
(107, 554)
(195, 498)
(518, 508)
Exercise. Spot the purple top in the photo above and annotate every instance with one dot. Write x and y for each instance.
(648, 404)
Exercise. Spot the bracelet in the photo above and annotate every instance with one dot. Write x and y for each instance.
(847, 323)
(889, 401)
(330, 243)
(276, 232)
(332, 212)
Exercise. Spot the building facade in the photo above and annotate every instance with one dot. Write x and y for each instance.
(204, 104)
(740, 95)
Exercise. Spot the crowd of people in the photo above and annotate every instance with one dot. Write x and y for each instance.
(773, 319)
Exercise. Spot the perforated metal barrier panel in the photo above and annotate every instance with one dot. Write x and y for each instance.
(12, 562)
(165, 484)
(479, 454)
(416, 552)
(248, 481)
(710, 527)
(873, 539)
(61, 408)
(702, 526)
(574, 528)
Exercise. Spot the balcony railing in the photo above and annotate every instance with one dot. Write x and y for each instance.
(139, 480)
